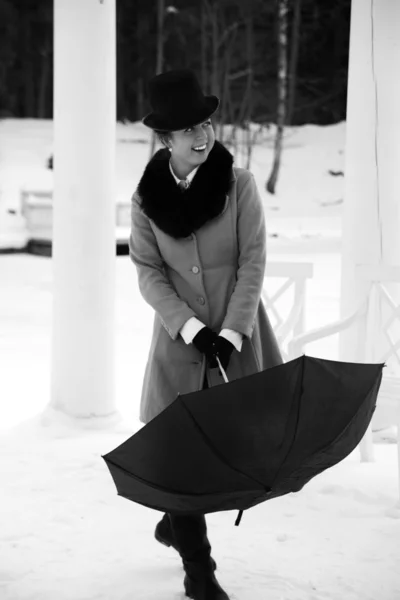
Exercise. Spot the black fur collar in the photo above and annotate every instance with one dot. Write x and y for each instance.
(180, 213)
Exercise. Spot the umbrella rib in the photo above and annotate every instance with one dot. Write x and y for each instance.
(152, 485)
(218, 454)
(340, 435)
(299, 386)
(160, 487)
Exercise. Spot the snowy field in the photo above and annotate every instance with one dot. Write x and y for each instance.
(65, 534)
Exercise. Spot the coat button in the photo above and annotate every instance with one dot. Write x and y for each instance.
(195, 269)
(201, 300)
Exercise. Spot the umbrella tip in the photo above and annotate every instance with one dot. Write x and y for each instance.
(239, 518)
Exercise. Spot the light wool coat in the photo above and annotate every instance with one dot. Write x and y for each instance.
(216, 274)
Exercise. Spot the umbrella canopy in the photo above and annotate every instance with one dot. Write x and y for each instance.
(240, 443)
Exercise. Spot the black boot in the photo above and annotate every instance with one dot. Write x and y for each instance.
(163, 534)
(201, 584)
(190, 533)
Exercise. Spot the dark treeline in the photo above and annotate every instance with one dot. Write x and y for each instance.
(232, 45)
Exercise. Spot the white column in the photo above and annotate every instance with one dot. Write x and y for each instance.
(84, 208)
(371, 217)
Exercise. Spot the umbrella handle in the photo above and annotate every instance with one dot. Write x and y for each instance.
(222, 370)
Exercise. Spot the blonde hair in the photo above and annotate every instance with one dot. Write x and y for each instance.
(164, 137)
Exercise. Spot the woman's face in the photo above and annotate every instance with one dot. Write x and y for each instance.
(191, 147)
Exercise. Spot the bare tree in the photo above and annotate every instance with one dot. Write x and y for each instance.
(282, 93)
(226, 112)
(160, 55)
(140, 33)
(28, 80)
(249, 46)
(221, 44)
(215, 42)
(245, 142)
(294, 53)
(203, 45)
(44, 78)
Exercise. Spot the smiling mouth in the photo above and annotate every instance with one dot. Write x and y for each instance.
(200, 148)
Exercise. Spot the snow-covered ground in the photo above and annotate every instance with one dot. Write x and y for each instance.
(65, 534)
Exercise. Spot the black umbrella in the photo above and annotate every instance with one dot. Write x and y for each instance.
(240, 443)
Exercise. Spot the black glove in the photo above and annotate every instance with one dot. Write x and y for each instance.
(223, 349)
(204, 341)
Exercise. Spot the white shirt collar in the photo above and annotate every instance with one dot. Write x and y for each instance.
(189, 178)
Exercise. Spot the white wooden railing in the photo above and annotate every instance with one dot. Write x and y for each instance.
(295, 275)
(372, 331)
(37, 210)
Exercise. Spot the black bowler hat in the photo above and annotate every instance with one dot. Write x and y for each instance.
(177, 101)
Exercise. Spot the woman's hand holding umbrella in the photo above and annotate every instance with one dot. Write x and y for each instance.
(223, 349)
(213, 345)
(204, 342)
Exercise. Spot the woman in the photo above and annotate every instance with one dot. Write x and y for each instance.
(199, 245)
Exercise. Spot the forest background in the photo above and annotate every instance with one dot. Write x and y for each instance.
(234, 46)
